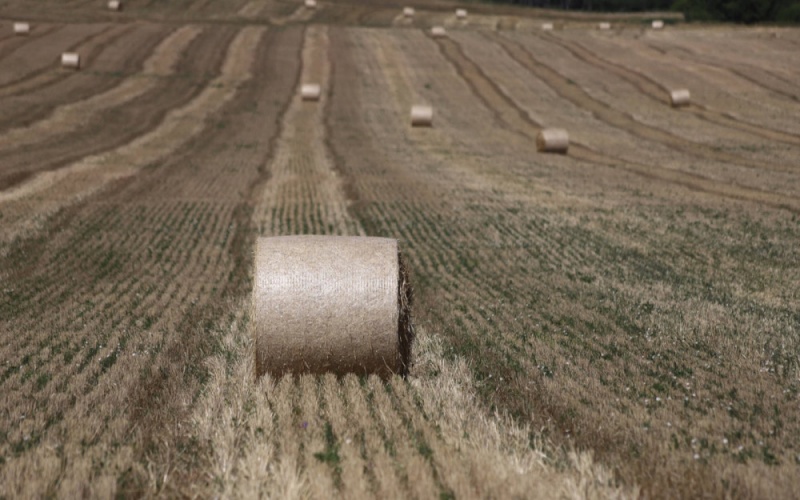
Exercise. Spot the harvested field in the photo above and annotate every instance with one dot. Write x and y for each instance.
(615, 322)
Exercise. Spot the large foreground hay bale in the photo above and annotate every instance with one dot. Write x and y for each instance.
(421, 116)
(657, 24)
(70, 60)
(22, 28)
(552, 140)
(680, 97)
(438, 32)
(311, 4)
(310, 91)
(330, 304)
(115, 5)
(547, 26)
(604, 26)
(461, 13)
(408, 11)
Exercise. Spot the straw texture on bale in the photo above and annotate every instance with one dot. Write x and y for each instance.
(438, 32)
(310, 91)
(604, 26)
(461, 13)
(70, 60)
(680, 97)
(547, 26)
(331, 304)
(657, 25)
(408, 11)
(115, 5)
(421, 116)
(311, 4)
(552, 140)
(22, 28)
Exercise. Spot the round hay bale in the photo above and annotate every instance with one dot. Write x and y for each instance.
(461, 13)
(70, 60)
(604, 26)
(679, 98)
(22, 28)
(408, 11)
(421, 116)
(438, 32)
(657, 24)
(547, 26)
(552, 140)
(310, 91)
(311, 4)
(115, 5)
(330, 304)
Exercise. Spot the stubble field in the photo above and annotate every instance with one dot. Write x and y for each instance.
(616, 322)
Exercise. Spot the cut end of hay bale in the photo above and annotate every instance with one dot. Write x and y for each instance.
(604, 26)
(115, 5)
(461, 13)
(657, 25)
(408, 11)
(438, 32)
(331, 304)
(552, 140)
(421, 116)
(22, 28)
(679, 98)
(70, 60)
(547, 26)
(311, 91)
(311, 4)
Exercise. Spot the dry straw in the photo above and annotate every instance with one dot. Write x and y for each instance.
(421, 116)
(679, 98)
(408, 11)
(552, 140)
(657, 25)
(438, 32)
(115, 5)
(311, 4)
(22, 28)
(604, 26)
(331, 304)
(310, 91)
(547, 26)
(70, 60)
(461, 13)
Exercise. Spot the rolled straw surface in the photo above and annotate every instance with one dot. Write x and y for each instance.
(421, 116)
(604, 26)
(115, 5)
(70, 60)
(438, 32)
(311, 4)
(552, 140)
(461, 13)
(330, 304)
(310, 91)
(547, 26)
(657, 25)
(408, 11)
(680, 97)
(22, 28)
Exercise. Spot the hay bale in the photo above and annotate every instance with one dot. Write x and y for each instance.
(22, 28)
(438, 32)
(310, 91)
(604, 26)
(547, 26)
(311, 4)
(330, 304)
(657, 25)
(70, 60)
(421, 116)
(552, 140)
(408, 11)
(461, 14)
(679, 98)
(115, 5)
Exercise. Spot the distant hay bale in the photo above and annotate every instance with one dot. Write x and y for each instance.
(330, 304)
(547, 26)
(461, 13)
(679, 98)
(310, 91)
(604, 26)
(657, 25)
(70, 60)
(22, 28)
(438, 32)
(408, 11)
(115, 5)
(552, 140)
(421, 116)
(311, 4)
